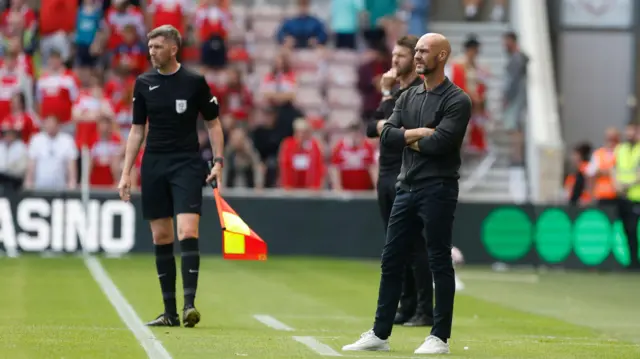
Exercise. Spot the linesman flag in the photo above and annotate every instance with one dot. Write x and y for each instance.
(239, 242)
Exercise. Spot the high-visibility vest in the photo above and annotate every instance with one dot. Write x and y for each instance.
(570, 182)
(627, 161)
(604, 186)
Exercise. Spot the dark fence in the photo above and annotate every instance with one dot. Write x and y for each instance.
(332, 227)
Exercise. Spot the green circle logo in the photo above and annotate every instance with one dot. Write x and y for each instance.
(591, 237)
(619, 244)
(553, 235)
(507, 234)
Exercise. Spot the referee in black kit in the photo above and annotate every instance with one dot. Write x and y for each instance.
(170, 97)
(432, 119)
(416, 302)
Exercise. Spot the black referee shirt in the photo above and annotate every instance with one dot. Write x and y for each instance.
(171, 103)
(390, 159)
(447, 109)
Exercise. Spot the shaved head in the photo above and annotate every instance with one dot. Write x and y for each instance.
(432, 53)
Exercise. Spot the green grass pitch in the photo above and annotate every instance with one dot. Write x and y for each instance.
(54, 308)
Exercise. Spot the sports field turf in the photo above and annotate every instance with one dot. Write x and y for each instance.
(54, 308)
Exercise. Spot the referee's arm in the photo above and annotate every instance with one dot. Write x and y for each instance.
(209, 109)
(392, 135)
(450, 132)
(136, 134)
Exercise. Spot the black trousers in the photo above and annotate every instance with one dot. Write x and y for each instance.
(432, 207)
(629, 213)
(417, 286)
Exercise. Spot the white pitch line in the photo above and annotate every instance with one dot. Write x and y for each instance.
(491, 277)
(143, 334)
(317, 346)
(272, 322)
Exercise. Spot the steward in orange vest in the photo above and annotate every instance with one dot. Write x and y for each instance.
(575, 183)
(601, 181)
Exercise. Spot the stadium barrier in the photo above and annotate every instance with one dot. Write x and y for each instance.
(331, 227)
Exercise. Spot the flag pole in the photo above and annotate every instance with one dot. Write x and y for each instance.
(216, 196)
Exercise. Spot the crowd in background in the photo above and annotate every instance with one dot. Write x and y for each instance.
(295, 91)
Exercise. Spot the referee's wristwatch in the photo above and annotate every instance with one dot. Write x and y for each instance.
(219, 160)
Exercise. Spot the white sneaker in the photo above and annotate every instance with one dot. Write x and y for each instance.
(433, 345)
(368, 341)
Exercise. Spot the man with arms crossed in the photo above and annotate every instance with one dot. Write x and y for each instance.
(416, 303)
(172, 173)
(432, 119)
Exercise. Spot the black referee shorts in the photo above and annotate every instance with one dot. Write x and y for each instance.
(171, 184)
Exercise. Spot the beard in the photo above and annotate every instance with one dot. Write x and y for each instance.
(403, 71)
(426, 69)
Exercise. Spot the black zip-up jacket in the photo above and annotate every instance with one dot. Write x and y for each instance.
(390, 159)
(447, 109)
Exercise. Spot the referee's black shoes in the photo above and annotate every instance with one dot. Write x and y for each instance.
(165, 320)
(190, 317)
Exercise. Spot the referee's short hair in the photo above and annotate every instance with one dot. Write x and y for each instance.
(168, 32)
(408, 41)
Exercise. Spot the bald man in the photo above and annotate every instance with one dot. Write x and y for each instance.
(428, 123)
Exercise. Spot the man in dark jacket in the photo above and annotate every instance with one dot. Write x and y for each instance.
(429, 122)
(416, 303)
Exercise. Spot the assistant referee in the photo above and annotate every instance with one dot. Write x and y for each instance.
(416, 302)
(170, 98)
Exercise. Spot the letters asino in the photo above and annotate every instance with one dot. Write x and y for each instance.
(63, 225)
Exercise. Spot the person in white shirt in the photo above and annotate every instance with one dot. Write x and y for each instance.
(52, 159)
(13, 160)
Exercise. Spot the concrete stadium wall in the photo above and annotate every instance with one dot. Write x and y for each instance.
(485, 233)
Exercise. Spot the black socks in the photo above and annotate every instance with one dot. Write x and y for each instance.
(190, 269)
(166, 266)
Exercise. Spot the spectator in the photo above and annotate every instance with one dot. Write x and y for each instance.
(345, 16)
(106, 153)
(352, 162)
(57, 22)
(377, 61)
(278, 89)
(123, 112)
(378, 10)
(515, 96)
(302, 31)
(24, 60)
(301, 160)
(575, 183)
(131, 54)
(87, 110)
(469, 76)
(20, 120)
(471, 9)
(236, 100)
(213, 23)
(56, 91)
(176, 13)
(19, 21)
(418, 16)
(52, 159)
(118, 16)
(243, 166)
(13, 160)
(120, 82)
(266, 139)
(88, 24)
(13, 82)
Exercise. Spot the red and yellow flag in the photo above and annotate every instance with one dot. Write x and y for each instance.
(239, 242)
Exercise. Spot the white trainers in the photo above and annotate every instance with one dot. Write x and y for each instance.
(368, 341)
(433, 345)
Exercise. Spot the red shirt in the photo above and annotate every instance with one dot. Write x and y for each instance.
(56, 15)
(235, 102)
(9, 86)
(301, 164)
(117, 21)
(87, 110)
(22, 122)
(115, 88)
(353, 160)
(135, 56)
(212, 21)
(102, 155)
(57, 92)
(169, 12)
(27, 15)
